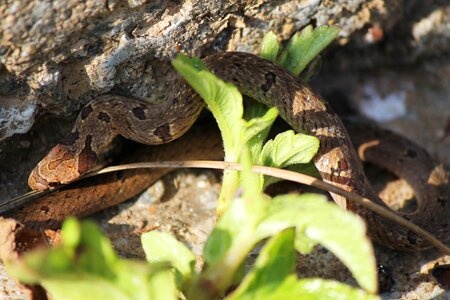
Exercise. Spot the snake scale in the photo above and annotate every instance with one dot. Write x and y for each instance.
(103, 119)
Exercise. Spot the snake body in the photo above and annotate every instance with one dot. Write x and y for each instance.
(100, 121)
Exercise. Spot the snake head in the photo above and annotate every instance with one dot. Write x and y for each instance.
(61, 166)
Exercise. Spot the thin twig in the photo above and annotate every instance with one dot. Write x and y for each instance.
(291, 176)
(11, 204)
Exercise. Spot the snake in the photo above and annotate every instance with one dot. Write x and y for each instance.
(109, 116)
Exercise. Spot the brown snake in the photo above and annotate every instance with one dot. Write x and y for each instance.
(102, 120)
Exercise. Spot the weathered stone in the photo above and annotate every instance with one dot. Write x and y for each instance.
(57, 55)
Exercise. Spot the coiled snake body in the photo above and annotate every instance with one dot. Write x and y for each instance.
(337, 161)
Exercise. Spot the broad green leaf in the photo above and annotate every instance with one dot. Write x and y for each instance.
(71, 233)
(90, 269)
(133, 281)
(223, 99)
(289, 148)
(305, 45)
(83, 288)
(341, 232)
(162, 286)
(303, 244)
(160, 246)
(287, 211)
(40, 263)
(253, 109)
(257, 129)
(269, 46)
(225, 103)
(226, 250)
(86, 250)
(98, 254)
(145, 281)
(307, 169)
(275, 262)
(233, 222)
(316, 289)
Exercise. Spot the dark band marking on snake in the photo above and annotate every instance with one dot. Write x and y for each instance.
(139, 112)
(71, 138)
(86, 111)
(163, 132)
(337, 160)
(102, 116)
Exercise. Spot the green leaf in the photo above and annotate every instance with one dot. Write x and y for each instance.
(341, 232)
(162, 286)
(275, 262)
(316, 289)
(223, 99)
(269, 46)
(289, 148)
(39, 263)
(164, 247)
(230, 225)
(133, 281)
(303, 244)
(86, 267)
(71, 233)
(312, 69)
(226, 249)
(87, 287)
(145, 281)
(98, 254)
(225, 103)
(83, 248)
(257, 129)
(307, 169)
(306, 45)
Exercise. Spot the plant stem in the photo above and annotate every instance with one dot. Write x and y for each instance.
(230, 184)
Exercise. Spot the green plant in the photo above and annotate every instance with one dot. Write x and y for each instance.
(225, 103)
(86, 267)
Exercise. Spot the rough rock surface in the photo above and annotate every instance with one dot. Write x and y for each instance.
(390, 63)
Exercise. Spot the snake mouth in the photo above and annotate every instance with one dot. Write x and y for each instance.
(37, 182)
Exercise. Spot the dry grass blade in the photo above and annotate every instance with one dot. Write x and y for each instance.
(18, 201)
(291, 176)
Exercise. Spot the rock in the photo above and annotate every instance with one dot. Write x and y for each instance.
(56, 56)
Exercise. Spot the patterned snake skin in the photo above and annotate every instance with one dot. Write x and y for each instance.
(102, 120)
